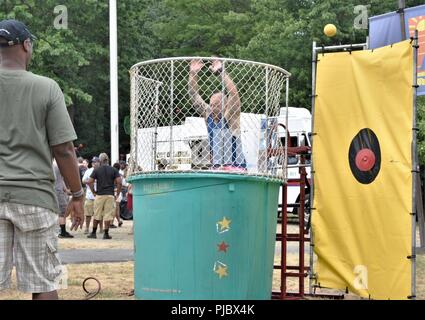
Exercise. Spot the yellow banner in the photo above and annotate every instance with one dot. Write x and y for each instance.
(362, 157)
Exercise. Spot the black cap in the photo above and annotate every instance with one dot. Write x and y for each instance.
(15, 32)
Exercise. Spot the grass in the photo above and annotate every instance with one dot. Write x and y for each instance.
(117, 278)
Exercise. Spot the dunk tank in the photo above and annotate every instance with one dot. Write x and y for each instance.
(206, 176)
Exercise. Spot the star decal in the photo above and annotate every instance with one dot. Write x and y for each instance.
(224, 225)
(223, 247)
(221, 269)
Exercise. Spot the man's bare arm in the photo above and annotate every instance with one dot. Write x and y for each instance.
(233, 106)
(197, 101)
(234, 101)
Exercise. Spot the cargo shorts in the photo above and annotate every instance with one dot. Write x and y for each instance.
(104, 208)
(28, 239)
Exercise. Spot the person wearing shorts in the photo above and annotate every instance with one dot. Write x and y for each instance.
(62, 194)
(89, 202)
(118, 198)
(28, 236)
(106, 178)
(35, 127)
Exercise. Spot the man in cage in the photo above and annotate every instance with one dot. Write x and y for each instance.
(222, 117)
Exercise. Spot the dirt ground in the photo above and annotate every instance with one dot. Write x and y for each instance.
(121, 239)
(117, 278)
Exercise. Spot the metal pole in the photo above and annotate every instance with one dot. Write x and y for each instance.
(287, 129)
(223, 91)
(313, 102)
(401, 7)
(414, 161)
(266, 130)
(155, 142)
(133, 123)
(113, 43)
(356, 46)
(171, 114)
(284, 242)
(303, 178)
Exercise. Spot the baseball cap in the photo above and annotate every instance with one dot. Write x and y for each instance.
(15, 32)
(95, 159)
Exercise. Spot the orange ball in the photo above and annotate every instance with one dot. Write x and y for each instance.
(330, 30)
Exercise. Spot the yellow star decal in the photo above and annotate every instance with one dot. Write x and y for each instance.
(221, 271)
(224, 224)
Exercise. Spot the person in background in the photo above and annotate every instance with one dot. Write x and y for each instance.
(86, 164)
(89, 202)
(130, 203)
(107, 178)
(82, 167)
(62, 195)
(119, 197)
(123, 167)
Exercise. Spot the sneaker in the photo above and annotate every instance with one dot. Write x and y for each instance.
(92, 236)
(87, 231)
(112, 226)
(120, 224)
(66, 235)
(106, 236)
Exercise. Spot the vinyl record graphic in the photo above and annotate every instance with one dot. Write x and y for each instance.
(365, 156)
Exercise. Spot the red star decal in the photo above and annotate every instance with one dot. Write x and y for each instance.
(223, 246)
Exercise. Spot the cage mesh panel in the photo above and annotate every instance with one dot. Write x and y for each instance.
(217, 121)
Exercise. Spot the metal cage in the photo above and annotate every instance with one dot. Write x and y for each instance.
(208, 114)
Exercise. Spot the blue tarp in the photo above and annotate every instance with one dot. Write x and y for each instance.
(386, 29)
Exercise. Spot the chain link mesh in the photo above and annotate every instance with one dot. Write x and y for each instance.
(207, 114)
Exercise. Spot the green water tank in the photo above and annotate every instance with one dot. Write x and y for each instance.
(204, 236)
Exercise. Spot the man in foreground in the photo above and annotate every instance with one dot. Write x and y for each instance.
(35, 126)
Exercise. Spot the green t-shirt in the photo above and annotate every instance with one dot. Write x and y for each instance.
(33, 118)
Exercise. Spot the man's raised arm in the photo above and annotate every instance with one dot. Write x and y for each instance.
(234, 102)
(197, 101)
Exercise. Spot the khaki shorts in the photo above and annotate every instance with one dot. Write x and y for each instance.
(104, 208)
(28, 238)
(89, 208)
